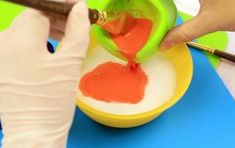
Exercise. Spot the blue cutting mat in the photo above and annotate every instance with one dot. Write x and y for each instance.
(204, 118)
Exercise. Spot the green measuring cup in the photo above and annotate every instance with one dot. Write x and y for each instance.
(163, 14)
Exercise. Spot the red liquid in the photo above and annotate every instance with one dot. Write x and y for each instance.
(113, 82)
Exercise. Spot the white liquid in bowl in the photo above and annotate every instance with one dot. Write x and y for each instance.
(160, 88)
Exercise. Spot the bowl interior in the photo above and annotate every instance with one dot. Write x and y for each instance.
(178, 56)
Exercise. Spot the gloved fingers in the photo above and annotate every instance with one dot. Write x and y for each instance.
(30, 27)
(3, 35)
(59, 22)
(76, 37)
(42, 123)
(73, 1)
(68, 1)
(56, 34)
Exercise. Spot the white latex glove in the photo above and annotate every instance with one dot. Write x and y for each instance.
(58, 22)
(38, 89)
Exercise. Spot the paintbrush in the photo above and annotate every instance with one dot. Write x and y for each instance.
(213, 51)
(96, 17)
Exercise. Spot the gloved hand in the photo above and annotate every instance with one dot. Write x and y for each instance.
(58, 23)
(214, 15)
(38, 89)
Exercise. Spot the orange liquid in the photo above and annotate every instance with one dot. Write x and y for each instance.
(130, 43)
(113, 82)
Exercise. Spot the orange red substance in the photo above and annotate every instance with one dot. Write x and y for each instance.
(113, 82)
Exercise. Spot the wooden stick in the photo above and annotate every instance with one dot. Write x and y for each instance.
(55, 7)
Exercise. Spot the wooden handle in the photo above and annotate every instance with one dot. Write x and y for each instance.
(225, 55)
(47, 6)
(54, 7)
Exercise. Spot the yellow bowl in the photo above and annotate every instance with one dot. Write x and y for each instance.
(181, 60)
